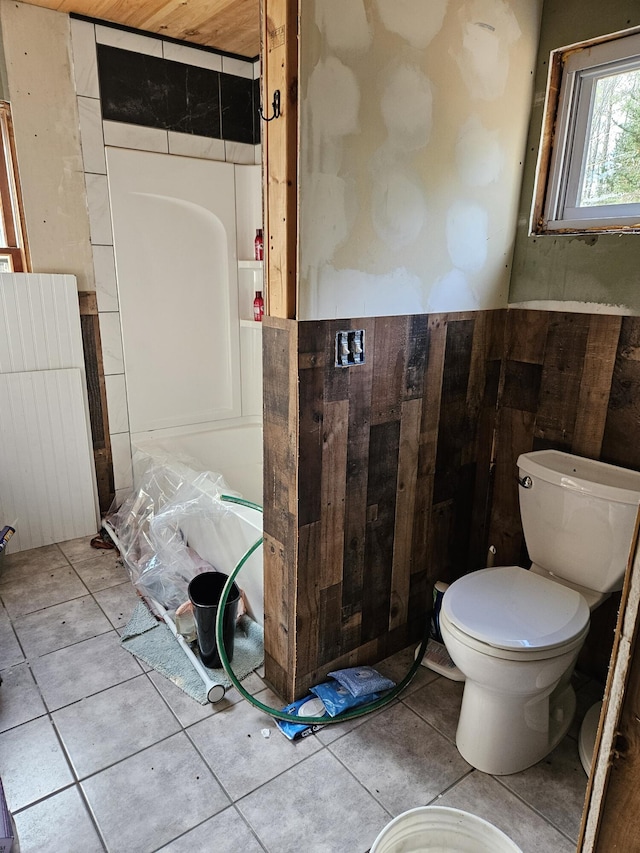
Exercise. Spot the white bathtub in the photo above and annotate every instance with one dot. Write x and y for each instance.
(235, 451)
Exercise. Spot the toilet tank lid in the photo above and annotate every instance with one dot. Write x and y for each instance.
(589, 476)
(509, 607)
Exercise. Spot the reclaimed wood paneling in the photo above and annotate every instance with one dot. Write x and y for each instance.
(280, 478)
(371, 535)
(404, 516)
(595, 388)
(97, 397)
(406, 464)
(381, 505)
(488, 339)
(401, 471)
(561, 378)
(620, 444)
(333, 491)
(570, 382)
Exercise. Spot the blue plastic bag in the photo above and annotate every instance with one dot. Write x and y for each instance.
(309, 706)
(361, 680)
(337, 698)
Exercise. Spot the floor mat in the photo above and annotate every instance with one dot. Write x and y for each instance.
(154, 643)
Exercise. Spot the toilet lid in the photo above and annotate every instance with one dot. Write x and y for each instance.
(511, 608)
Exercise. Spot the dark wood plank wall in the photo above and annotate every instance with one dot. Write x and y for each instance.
(393, 462)
(280, 478)
(97, 397)
(570, 382)
(385, 477)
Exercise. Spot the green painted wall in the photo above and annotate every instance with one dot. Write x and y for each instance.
(603, 270)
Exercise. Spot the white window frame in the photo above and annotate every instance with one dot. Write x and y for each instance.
(574, 72)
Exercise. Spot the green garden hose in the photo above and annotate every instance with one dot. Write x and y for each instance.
(274, 712)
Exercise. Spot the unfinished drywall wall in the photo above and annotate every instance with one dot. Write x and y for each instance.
(36, 46)
(596, 273)
(412, 133)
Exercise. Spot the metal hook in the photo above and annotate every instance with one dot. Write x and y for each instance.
(275, 105)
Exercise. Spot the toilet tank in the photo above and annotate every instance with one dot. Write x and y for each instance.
(578, 516)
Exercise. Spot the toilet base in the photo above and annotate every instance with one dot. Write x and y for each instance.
(501, 734)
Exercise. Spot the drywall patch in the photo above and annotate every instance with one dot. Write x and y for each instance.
(333, 99)
(467, 236)
(406, 106)
(354, 293)
(479, 154)
(324, 224)
(452, 292)
(489, 29)
(414, 20)
(344, 26)
(398, 207)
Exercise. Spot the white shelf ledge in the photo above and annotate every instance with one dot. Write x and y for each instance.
(251, 324)
(250, 265)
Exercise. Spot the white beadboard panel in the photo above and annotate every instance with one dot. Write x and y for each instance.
(111, 339)
(46, 459)
(91, 136)
(121, 455)
(85, 65)
(123, 135)
(117, 403)
(39, 322)
(104, 268)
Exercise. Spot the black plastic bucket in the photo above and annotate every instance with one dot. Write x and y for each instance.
(205, 591)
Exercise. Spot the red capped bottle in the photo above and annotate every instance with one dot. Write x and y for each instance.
(259, 245)
(258, 307)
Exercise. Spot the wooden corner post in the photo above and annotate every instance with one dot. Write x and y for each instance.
(279, 118)
(279, 339)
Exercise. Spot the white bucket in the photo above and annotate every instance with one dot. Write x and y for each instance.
(437, 829)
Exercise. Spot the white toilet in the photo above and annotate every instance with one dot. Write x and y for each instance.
(515, 633)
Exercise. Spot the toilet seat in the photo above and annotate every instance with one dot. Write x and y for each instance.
(515, 612)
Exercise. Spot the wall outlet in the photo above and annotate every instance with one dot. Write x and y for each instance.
(350, 348)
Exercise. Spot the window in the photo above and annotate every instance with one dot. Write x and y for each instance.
(589, 164)
(13, 248)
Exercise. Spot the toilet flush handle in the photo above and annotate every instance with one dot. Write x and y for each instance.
(525, 482)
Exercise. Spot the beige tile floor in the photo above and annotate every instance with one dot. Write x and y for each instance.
(97, 753)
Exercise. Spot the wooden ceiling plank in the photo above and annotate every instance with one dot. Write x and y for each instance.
(152, 15)
(233, 29)
(232, 26)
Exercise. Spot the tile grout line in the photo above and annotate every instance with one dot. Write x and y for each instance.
(232, 802)
(184, 729)
(535, 810)
(75, 784)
